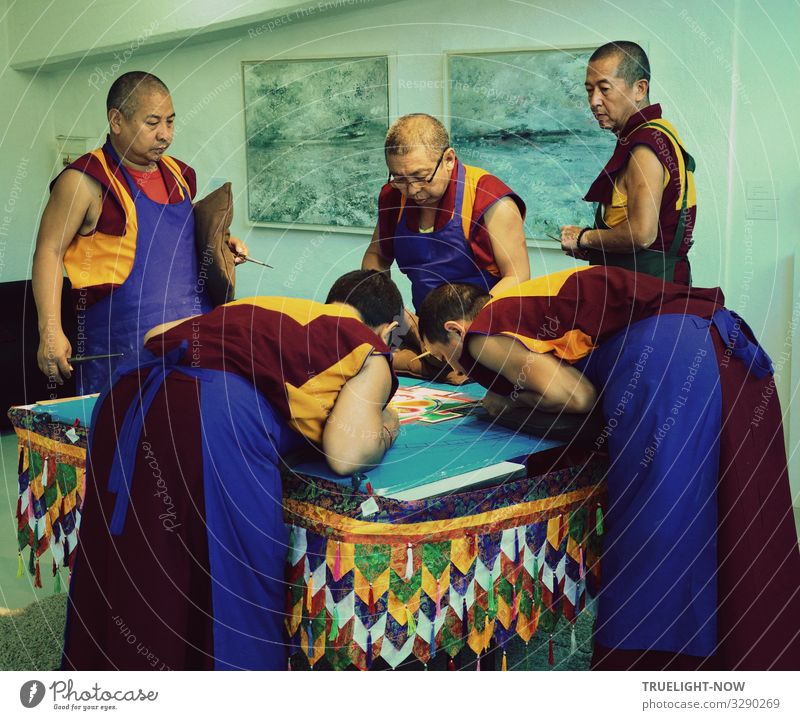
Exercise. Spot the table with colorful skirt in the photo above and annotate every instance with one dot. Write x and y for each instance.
(455, 576)
(452, 576)
(433, 576)
(51, 447)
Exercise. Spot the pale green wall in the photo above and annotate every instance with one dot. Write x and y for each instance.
(760, 257)
(726, 73)
(64, 32)
(27, 148)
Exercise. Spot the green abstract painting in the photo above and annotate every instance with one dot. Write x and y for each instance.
(524, 116)
(314, 140)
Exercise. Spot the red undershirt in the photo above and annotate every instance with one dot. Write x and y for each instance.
(151, 184)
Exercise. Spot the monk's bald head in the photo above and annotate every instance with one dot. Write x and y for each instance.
(125, 91)
(415, 131)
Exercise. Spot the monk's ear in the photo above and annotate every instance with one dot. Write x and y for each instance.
(454, 326)
(642, 88)
(386, 332)
(114, 119)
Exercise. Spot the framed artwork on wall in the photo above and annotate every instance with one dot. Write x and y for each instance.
(523, 116)
(314, 132)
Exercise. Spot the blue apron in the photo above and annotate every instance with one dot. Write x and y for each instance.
(162, 286)
(244, 440)
(661, 400)
(443, 256)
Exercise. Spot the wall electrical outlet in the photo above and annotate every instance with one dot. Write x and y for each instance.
(761, 200)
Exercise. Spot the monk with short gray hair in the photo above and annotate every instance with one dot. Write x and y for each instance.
(443, 221)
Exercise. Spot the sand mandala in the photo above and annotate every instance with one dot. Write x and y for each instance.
(424, 404)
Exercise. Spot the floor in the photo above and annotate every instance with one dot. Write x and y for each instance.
(18, 592)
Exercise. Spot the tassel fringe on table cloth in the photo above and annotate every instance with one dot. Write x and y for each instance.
(52, 478)
(434, 576)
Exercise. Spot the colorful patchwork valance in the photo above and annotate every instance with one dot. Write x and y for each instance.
(435, 576)
(52, 480)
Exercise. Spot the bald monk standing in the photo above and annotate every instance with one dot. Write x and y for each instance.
(120, 221)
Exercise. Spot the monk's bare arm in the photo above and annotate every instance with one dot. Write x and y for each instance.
(503, 222)
(643, 182)
(542, 380)
(359, 431)
(373, 260)
(72, 208)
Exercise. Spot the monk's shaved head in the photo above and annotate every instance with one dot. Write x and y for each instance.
(125, 90)
(411, 132)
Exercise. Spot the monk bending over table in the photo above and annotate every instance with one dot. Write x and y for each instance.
(183, 545)
(700, 560)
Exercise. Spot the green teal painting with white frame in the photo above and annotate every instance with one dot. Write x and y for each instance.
(523, 116)
(314, 140)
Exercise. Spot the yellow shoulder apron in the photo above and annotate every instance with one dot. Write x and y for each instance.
(653, 262)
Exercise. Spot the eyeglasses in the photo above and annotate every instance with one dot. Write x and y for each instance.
(406, 181)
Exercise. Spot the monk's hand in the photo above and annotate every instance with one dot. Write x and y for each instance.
(496, 404)
(54, 349)
(239, 249)
(569, 241)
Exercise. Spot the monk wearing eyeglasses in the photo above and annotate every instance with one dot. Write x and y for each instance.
(443, 222)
